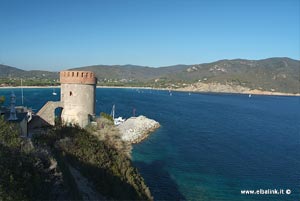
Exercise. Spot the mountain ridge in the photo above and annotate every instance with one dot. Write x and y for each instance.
(280, 74)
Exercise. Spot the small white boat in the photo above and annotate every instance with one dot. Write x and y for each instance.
(249, 95)
(117, 121)
(54, 93)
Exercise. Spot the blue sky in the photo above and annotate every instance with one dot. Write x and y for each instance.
(59, 34)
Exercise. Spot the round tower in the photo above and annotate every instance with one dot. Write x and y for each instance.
(78, 96)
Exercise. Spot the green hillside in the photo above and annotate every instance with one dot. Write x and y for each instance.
(277, 74)
(54, 166)
(12, 72)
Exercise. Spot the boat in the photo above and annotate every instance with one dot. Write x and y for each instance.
(249, 95)
(54, 93)
(119, 120)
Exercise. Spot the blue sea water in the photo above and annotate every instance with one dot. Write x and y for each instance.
(209, 146)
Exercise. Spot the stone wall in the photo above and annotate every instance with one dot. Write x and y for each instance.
(47, 112)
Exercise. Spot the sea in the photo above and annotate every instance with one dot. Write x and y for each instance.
(209, 146)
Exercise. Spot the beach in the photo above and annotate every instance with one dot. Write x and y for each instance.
(207, 89)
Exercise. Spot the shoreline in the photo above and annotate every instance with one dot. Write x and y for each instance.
(253, 92)
(30, 87)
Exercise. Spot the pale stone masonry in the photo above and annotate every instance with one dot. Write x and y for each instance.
(78, 96)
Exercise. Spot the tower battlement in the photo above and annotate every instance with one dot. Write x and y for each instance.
(77, 77)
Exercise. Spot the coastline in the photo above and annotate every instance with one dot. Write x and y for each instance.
(253, 92)
(30, 87)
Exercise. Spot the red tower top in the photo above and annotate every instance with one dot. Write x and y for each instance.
(77, 77)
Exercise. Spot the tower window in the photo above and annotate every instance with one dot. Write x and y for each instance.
(71, 93)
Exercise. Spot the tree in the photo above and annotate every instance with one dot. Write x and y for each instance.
(24, 175)
(9, 135)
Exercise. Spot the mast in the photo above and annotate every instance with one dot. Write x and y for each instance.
(113, 112)
(22, 91)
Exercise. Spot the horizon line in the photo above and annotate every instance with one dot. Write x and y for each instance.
(146, 66)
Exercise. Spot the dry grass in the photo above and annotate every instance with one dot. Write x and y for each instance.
(108, 132)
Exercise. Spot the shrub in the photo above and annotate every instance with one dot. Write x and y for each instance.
(22, 174)
(106, 116)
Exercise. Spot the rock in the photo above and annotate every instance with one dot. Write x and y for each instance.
(136, 129)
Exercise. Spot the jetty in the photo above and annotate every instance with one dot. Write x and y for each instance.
(136, 129)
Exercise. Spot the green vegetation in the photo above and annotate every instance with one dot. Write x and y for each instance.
(41, 170)
(274, 74)
(28, 82)
(22, 171)
(106, 131)
(110, 171)
(106, 116)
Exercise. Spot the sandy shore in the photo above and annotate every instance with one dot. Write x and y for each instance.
(215, 87)
(46, 87)
(31, 87)
(120, 87)
(254, 92)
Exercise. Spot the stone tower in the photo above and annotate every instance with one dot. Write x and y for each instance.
(78, 96)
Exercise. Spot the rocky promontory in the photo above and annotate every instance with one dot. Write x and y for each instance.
(136, 129)
(230, 88)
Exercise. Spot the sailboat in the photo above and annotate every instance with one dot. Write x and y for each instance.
(117, 121)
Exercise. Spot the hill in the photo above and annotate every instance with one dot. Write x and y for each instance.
(67, 163)
(12, 72)
(131, 72)
(273, 74)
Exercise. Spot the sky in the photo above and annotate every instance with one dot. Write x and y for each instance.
(60, 34)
